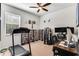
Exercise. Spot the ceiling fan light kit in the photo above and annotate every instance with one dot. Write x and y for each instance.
(41, 7)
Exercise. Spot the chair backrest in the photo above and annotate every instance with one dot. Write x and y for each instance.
(69, 35)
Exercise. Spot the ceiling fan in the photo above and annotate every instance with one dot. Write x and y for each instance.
(41, 6)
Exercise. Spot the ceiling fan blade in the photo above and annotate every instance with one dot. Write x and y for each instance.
(46, 4)
(39, 4)
(33, 7)
(44, 9)
(38, 10)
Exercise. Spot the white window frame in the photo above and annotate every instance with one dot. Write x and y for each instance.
(13, 16)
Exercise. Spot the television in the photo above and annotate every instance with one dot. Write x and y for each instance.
(63, 29)
(60, 29)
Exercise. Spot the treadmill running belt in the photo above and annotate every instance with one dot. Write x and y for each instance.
(19, 51)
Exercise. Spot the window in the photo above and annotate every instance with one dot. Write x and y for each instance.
(12, 21)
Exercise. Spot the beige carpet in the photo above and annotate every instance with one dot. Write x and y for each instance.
(38, 49)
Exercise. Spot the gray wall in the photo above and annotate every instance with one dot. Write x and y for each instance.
(25, 16)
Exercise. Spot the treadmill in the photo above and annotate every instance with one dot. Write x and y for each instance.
(18, 50)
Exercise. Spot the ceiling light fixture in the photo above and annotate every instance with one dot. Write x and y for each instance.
(41, 6)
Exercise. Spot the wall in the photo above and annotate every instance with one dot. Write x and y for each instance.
(25, 16)
(61, 18)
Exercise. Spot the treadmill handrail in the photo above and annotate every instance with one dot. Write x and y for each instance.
(20, 30)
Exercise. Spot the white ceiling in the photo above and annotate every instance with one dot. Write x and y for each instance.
(51, 8)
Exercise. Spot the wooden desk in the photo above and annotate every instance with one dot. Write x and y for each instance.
(64, 51)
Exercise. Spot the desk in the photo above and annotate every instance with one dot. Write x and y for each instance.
(64, 51)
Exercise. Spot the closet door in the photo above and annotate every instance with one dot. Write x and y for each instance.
(41, 35)
(24, 38)
(36, 38)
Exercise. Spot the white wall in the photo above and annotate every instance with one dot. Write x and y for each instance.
(25, 16)
(61, 18)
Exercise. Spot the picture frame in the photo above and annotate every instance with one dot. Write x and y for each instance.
(44, 21)
(29, 22)
(49, 20)
(33, 22)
